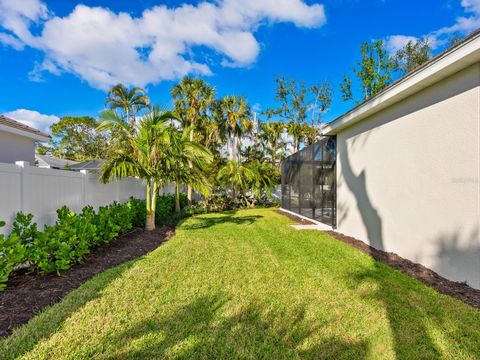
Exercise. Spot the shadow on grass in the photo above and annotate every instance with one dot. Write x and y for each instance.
(51, 319)
(201, 330)
(203, 222)
(416, 318)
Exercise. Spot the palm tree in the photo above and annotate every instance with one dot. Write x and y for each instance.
(271, 134)
(192, 97)
(236, 113)
(181, 153)
(296, 131)
(265, 177)
(143, 154)
(130, 101)
(236, 176)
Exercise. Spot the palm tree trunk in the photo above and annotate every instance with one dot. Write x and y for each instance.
(151, 202)
(177, 197)
(190, 165)
(274, 151)
(230, 148)
(235, 150)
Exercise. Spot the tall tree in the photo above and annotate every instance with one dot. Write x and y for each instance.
(292, 97)
(129, 101)
(322, 93)
(271, 135)
(76, 138)
(373, 71)
(412, 55)
(236, 116)
(295, 100)
(143, 154)
(192, 98)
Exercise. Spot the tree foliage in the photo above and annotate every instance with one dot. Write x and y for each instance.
(412, 55)
(129, 101)
(373, 72)
(76, 138)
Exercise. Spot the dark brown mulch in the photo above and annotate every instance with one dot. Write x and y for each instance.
(429, 277)
(297, 219)
(26, 293)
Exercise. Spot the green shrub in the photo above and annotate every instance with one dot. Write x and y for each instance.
(139, 210)
(68, 241)
(165, 211)
(71, 238)
(12, 252)
(26, 230)
(122, 215)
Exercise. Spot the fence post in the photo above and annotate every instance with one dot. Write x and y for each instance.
(22, 165)
(84, 186)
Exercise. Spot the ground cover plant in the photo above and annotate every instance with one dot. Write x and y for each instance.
(244, 284)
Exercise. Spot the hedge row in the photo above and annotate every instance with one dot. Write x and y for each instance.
(73, 236)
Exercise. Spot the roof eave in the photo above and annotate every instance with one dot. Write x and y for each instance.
(27, 134)
(468, 53)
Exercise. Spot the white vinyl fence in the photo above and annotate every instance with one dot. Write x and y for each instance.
(42, 191)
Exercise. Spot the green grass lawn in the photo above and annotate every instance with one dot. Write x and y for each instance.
(246, 285)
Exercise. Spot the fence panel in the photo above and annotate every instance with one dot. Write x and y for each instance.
(42, 191)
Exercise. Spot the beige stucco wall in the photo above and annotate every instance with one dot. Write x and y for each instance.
(16, 148)
(408, 178)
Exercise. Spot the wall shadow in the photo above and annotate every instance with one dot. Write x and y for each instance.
(357, 186)
(458, 257)
(200, 330)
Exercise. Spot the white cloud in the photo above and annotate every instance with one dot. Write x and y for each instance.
(33, 119)
(463, 25)
(471, 6)
(104, 48)
(396, 42)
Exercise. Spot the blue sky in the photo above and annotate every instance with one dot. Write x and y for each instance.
(58, 57)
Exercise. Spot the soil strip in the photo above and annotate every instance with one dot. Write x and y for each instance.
(28, 293)
(459, 290)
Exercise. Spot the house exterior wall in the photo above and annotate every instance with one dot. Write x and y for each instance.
(408, 178)
(16, 148)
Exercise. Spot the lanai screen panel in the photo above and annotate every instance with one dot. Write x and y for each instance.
(308, 181)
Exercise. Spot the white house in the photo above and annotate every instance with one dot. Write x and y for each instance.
(17, 141)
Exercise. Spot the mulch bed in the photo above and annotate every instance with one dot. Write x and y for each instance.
(27, 293)
(429, 277)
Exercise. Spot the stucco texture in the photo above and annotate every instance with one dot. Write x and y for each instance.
(16, 148)
(408, 178)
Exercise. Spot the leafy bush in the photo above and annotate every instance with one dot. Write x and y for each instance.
(25, 229)
(215, 203)
(165, 211)
(12, 252)
(68, 241)
(139, 212)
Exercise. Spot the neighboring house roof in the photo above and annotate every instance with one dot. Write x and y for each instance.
(54, 162)
(14, 127)
(452, 60)
(90, 165)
